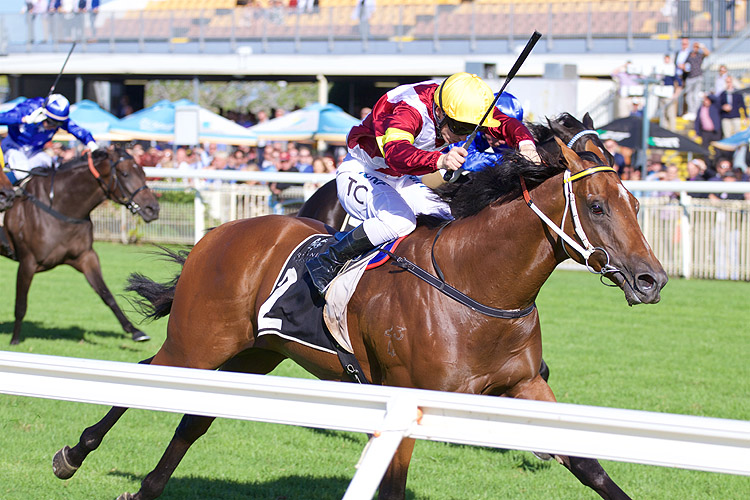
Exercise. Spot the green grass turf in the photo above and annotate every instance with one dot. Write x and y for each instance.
(687, 355)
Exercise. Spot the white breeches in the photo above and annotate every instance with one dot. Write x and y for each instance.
(388, 205)
(20, 161)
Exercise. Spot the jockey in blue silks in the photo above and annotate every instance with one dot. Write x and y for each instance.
(479, 157)
(31, 125)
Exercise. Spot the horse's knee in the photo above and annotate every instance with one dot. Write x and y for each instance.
(192, 427)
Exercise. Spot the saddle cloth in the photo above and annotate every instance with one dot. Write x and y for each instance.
(295, 310)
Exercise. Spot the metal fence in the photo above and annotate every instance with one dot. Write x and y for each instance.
(393, 22)
(692, 237)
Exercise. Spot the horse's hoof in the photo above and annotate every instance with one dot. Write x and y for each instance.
(61, 466)
(139, 336)
(125, 496)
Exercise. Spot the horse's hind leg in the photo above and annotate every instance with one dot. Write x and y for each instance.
(192, 427)
(88, 264)
(67, 460)
(587, 470)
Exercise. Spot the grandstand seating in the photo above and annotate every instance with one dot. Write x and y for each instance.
(414, 18)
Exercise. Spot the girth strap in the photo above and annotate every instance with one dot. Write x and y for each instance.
(53, 212)
(455, 294)
(350, 364)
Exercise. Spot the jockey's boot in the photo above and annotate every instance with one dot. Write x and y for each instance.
(327, 265)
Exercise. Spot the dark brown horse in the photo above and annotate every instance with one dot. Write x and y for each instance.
(498, 252)
(50, 225)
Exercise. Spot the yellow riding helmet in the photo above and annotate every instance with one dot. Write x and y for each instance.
(466, 98)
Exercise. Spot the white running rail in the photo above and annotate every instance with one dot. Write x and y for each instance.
(389, 413)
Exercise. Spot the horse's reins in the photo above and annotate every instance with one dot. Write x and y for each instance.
(109, 191)
(585, 248)
(440, 284)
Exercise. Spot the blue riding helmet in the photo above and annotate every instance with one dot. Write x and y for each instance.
(57, 107)
(510, 105)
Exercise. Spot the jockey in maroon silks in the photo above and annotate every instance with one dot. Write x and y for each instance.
(405, 137)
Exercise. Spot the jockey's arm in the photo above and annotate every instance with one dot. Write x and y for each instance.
(81, 134)
(395, 137)
(515, 134)
(14, 116)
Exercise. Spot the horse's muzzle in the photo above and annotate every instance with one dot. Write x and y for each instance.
(149, 212)
(642, 286)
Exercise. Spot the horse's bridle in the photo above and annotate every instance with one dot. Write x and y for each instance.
(585, 248)
(109, 190)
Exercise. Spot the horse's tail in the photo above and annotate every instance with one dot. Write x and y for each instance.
(156, 298)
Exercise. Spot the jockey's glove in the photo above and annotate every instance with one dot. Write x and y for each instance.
(92, 146)
(528, 150)
(36, 116)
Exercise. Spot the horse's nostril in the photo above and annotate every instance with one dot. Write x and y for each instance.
(646, 282)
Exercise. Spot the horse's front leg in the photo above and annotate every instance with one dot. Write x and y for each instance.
(88, 264)
(393, 485)
(587, 470)
(26, 271)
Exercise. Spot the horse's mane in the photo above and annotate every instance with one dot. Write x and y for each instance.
(499, 182)
(540, 133)
(97, 156)
(545, 133)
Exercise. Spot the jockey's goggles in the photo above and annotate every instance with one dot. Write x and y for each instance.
(54, 123)
(460, 128)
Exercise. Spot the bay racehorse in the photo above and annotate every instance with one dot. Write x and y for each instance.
(498, 252)
(324, 204)
(50, 224)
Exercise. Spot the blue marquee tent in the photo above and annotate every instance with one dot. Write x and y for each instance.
(316, 122)
(157, 122)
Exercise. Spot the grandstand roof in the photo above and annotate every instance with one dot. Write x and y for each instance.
(274, 66)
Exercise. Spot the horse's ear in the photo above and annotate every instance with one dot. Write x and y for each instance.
(590, 146)
(555, 127)
(99, 153)
(588, 122)
(571, 158)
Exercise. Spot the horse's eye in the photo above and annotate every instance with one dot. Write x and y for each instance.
(123, 173)
(597, 209)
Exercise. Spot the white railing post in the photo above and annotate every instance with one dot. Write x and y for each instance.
(200, 216)
(686, 235)
(123, 225)
(401, 414)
